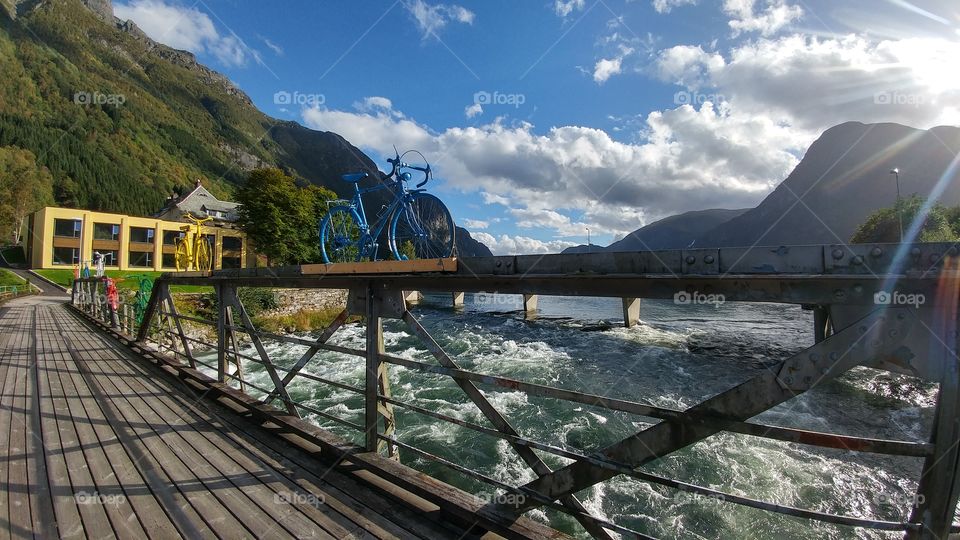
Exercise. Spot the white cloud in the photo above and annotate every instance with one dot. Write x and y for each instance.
(565, 7)
(606, 68)
(690, 159)
(277, 49)
(520, 245)
(687, 65)
(473, 110)
(775, 15)
(431, 19)
(475, 223)
(815, 83)
(185, 28)
(665, 6)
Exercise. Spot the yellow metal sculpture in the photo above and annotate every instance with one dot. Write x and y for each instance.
(193, 249)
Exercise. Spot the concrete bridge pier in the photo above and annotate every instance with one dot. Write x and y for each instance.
(631, 311)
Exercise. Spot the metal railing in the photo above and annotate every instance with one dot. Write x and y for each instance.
(883, 337)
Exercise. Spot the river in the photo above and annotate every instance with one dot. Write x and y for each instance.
(678, 356)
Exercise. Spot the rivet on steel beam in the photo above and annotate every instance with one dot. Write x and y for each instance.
(708, 259)
(934, 257)
(498, 264)
(839, 294)
(863, 329)
(893, 332)
(915, 251)
(807, 380)
(824, 371)
(814, 357)
(952, 250)
(858, 260)
(858, 289)
(876, 252)
(837, 253)
(691, 259)
(834, 356)
(788, 380)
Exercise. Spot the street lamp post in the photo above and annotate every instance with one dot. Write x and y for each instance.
(896, 173)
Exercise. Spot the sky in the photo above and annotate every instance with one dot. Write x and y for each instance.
(544, 119)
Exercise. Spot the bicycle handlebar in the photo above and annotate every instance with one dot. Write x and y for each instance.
(397, 164)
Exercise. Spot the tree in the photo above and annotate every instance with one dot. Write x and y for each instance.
(281, 219)
(883, 226)
(25, 187)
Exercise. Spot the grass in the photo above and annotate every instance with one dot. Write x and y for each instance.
(126, 279)
(304, 320)
(13, 255)
(8, 278)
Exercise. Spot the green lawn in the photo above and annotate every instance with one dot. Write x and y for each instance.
(9, 278)
(126, 279)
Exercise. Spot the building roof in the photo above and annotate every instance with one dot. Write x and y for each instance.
(200, 202)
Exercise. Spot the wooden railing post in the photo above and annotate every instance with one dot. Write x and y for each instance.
(372, 383)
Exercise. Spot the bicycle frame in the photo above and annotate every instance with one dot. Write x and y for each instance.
(370, 234)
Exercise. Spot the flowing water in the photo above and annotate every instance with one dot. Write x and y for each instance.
(677, 356)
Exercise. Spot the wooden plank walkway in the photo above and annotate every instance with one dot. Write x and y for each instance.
(95, 443)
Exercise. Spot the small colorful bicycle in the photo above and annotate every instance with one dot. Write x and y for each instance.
(420, 226)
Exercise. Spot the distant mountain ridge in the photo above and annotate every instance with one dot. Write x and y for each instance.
(673, 232)
(843, 177)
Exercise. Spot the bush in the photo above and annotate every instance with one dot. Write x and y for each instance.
(254, 299)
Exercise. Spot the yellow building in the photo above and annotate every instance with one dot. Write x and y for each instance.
(65, 237)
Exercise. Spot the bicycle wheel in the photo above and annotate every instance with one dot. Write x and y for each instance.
(203, 258)
(340, 235)
(181, 257)
(422, 228)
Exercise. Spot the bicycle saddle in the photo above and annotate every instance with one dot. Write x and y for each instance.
(355, 177)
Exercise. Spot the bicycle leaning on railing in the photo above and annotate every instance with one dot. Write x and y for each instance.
(420, 226)
(193, 249)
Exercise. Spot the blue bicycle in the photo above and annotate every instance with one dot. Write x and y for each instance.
(421, 227)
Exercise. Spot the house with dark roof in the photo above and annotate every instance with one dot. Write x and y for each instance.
(200, 202)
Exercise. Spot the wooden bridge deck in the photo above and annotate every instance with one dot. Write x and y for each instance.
(96, 443)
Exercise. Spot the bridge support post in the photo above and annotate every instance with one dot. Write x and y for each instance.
(458, 299)
(412, 297)
(935, 502)
(377, 381)
(223, 296)
(631, 311)
(821, 323)
(530, 305)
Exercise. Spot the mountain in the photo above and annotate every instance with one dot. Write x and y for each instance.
(122, 121)
(674, 232)
(467, 246)
(844, 177)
